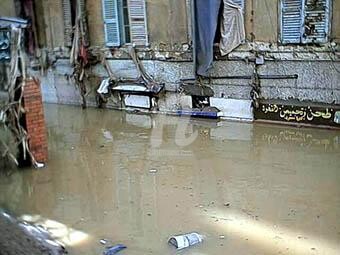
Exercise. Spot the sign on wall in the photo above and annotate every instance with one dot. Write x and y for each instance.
(327, 115)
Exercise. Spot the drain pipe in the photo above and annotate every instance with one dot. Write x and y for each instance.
(248, 77)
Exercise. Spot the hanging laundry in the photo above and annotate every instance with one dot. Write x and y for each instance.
(206, 25)
(232, 27)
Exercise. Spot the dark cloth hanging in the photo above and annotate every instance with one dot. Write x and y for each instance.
(30, 32)
(206, 24)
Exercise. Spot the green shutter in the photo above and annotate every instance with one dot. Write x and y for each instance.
(111, 23)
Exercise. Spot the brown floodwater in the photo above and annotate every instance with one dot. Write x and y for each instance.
(138, 179)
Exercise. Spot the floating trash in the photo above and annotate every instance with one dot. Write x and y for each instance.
(107, 135)
(114, 249)
(184, 241)
(103, 241)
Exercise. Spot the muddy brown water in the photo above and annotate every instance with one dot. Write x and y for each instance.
(138, 179)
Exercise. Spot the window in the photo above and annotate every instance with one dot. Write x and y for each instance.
(71, 10)
(67, 15)
(124, 22)
(305, 21)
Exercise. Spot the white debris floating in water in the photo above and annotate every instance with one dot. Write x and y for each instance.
(184, 241)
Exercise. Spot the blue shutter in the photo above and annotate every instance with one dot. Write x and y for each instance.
(137, 18)
(82, 6)
(67, 15)
(111, 22)
(291, 21)
(317, 21)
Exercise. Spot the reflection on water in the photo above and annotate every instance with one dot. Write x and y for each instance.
(58, 231)
(250, 189)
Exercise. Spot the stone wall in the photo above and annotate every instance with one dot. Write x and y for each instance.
(317, 82)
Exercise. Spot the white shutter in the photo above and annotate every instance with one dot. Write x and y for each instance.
(316, 22)
(111, 22)
(137, 18)
(67, 15)
(291, 21)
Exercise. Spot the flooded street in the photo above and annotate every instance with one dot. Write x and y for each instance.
(139, 179)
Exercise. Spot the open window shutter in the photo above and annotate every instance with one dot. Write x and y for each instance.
(138, 26)
(291, 21)
(67, 15)
(82, 6)
(111, 23)
(316, 22)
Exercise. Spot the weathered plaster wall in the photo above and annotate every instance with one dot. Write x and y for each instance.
(58, 88)
(318, 76)
(53, 14)
(40, 22)
(318, 81)
(261, 20)
(167, 21)
(336, 21)
(7, 8)
(95, 22)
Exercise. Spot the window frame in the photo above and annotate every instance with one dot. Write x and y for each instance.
(302, 39)
(114, 21)
(122, 20)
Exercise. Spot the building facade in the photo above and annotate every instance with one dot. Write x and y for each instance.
(290, 57)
